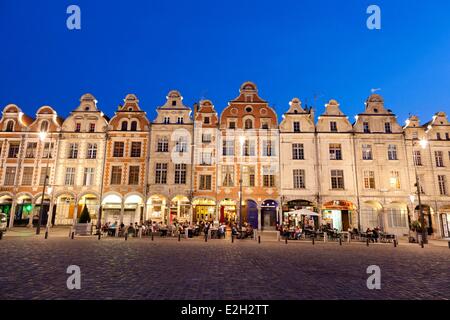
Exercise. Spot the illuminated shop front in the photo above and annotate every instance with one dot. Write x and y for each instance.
(156, 206)
(204, 210)
(228, 212)
(180, 209)
(292, 218)
(338, 214)
(445, 221)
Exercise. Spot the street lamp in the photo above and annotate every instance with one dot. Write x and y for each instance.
(42, 136)
(423, 143)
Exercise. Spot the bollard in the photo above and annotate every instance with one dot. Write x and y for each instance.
(99, 235)
(126, 236)
(313, 240)
(179, 237)
(153, 237)
(395, 243)
(259, 240)
(421, 244)
(340, 241)
(1, 236)
(72, 235)
(367, 241)
(232, 238)
(46, 233)
(286, 240)
(206, 237)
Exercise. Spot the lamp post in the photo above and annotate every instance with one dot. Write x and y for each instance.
(423, 143)
(42, 137)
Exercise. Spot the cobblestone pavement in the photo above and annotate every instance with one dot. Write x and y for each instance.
(34, 268)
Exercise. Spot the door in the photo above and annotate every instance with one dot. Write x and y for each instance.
(267, 220)
(345, 220)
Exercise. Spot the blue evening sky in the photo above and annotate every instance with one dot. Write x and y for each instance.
(207, 48)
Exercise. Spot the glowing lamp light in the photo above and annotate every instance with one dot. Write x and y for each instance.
(241, 140)
(412, 198)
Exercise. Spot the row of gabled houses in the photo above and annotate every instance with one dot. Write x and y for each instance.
(194, 165)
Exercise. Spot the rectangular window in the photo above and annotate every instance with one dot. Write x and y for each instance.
(47, 152)
(163, 144)
(248, 176)
(392, 152)
(10, 176)
(73, 151)
(206, 138)
(88, 176)
(337, 179)
(265, 125)
(442, 185)
(206, 120)
(438, 136)
(13, 151)
(268, 148)
(299, 179)
(27, 176)
(268, 177)
(335, 152)
(161, 173)
(91, 151)
(31, 150)
(439, 156)
(116, 175)
(206, 159)
(387, 127)
(366, 127)
(133, 176)
(333, 126)
(228, 176)
(397, 218)
(228, 148)
(367, 152)
(394, 181)
(417, 158)
(181, 145)
(180, 120)
(69, 178)
(45, 172)
(296, 126)
(77, 127)
(166, 120)
(248, 149)
(298, 152)
(135, 149)
(180, 173)
(447, 136)
(118, 150)
(369, 180)
(232, 125)
(205, 182)
(92, 127)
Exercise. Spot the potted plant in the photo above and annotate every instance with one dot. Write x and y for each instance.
(84, 225)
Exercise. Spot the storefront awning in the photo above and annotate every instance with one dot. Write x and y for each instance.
(304, 212)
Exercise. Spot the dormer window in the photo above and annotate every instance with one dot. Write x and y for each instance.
(206, 120)
(366, 127)
(333, 126)
(438, 136)
(130, 109)
(124, 126)
(44, 126)
(174, 103)
(248, 124)
(92, 127)
(296, 126)
(180, 120)
(133, 126)
(78, 127)
(375, 110)
(265, 126)
(10, 126)
(166, 120)
(86, 109)
(387, 127)
(232, 125)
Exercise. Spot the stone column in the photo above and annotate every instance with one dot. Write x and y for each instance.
(75, 212)
(259, 217)
(30, 218)
(51, 213)
(12, 213)
(122, 211)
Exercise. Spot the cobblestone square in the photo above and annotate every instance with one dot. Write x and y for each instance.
(34, 268)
